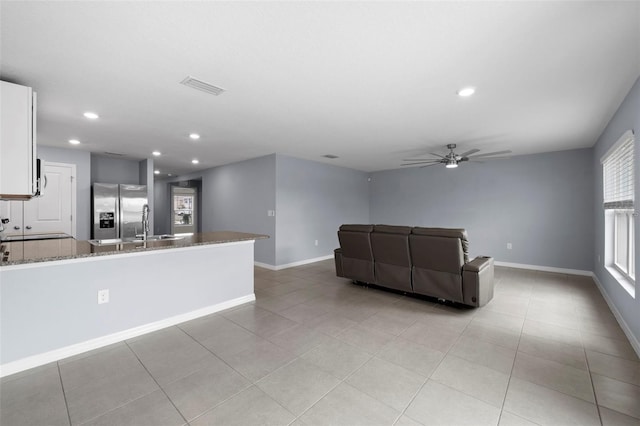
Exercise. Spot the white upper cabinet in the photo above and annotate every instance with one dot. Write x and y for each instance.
(18, 178)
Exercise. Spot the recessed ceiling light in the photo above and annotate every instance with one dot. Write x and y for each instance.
(195, 161)
(194, 136)
(156, 153)
(156, 172)
(74, 141)
(466, 91)
(168, 174)
(91, 115)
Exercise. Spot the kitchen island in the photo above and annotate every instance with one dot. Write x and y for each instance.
(49, 291)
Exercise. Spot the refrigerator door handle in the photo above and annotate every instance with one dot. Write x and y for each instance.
(118, 216)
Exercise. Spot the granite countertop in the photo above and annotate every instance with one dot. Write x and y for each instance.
(26, 252)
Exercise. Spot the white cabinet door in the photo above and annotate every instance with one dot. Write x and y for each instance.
(17, 141)
(11, 210)
(52, 212)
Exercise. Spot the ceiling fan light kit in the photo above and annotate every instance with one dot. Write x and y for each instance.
(451, 160)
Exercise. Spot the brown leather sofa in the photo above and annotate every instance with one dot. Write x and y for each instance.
(428, 261)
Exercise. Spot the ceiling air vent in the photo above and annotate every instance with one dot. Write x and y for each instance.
(113, 154)
(202, 86)
(330, 156)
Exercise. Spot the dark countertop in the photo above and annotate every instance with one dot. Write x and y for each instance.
(26, 252)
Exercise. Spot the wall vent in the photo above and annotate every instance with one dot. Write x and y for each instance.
(113, 154)
(202, 86)
(330, 156)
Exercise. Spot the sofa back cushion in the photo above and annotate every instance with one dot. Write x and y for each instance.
(355, 241)
(437, 256)
(390, 246)
(450, 234)
(357, 255)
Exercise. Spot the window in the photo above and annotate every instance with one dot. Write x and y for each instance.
(619, 194)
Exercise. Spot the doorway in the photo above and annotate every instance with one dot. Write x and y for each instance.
(184, 217)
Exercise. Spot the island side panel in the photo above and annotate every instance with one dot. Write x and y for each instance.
(46, 307)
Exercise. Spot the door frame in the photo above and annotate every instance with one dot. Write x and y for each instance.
(194, 211)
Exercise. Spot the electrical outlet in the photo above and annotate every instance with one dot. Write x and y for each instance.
(509, 246)
(103, 296)
(316, 243)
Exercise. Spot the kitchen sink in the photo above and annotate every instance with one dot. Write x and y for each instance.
(112, 241)
(166, 237)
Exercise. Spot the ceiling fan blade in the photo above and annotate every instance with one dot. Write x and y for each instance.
(422, 167)
(422, 162)
(477, 160)
(471, 151)
(437, 155)
(491, 153)
(420, 159)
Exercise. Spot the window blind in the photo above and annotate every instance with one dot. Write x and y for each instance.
(618, 171)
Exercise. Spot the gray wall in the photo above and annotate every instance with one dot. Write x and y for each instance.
(237, 197)
(541, 203)
(82, 160)
(627, 117)
(114, 170)
(312, 201)
(234, 197)
(146, 178)
(161, 206)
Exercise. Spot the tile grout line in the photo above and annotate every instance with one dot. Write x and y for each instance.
(593, 387)
(344, 380)
(403, 413)
(156, 382)
(64, 394)
(252, 382)
(513, 366)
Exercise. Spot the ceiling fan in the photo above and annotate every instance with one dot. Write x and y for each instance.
(451, 160)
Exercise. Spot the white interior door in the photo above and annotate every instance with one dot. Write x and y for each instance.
(54, 211)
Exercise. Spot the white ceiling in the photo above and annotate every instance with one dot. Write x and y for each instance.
(371, 82)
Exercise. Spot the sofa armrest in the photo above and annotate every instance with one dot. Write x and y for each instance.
(337, 255)
(477, 281)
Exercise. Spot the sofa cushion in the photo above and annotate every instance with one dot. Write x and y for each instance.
(459, 233)
(357, 228)
(391, 255)
(392, 229)
(437, 253)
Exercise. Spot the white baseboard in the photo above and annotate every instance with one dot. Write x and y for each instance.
(78, 348)
(633, 340)
(544, 268)
(291, 265)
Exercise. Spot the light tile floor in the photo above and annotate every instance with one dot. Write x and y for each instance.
(315, 349)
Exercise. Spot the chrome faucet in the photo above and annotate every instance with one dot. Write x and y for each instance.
(145, 221)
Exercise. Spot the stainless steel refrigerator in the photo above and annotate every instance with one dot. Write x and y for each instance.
(117, 210)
